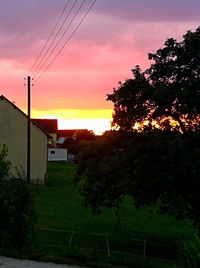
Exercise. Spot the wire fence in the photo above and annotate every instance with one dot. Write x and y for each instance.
(108, 245)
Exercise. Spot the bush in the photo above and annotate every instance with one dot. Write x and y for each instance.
(17, 214)
(191, 253)
(4, 163)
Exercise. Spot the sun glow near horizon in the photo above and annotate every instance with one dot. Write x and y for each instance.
(97, 125)
(96, 120)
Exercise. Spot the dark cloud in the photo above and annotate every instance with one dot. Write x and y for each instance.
(35, 17)
(25, 24)
(150, 10)
(26, 15)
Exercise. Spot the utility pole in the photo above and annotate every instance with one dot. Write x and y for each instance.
(29, 130)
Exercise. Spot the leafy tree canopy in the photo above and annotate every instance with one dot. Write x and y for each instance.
(166, 95)
(160, 167)
(160, 163)
(72, 143)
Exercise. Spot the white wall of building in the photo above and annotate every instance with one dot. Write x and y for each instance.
(57, 154)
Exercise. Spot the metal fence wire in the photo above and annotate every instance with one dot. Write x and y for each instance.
(107, 244)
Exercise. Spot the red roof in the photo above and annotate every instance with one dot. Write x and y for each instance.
(49, 125)
(69, 132)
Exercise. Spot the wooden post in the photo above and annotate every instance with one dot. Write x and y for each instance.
(29, 130)
(71, 237)
(108, 248)
(144, 251)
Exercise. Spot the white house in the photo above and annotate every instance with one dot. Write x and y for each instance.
(57, 154)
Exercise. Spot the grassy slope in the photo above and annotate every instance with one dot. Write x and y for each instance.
(59, 207)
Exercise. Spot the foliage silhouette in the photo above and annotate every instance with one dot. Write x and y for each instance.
(4, 163)
(165, 96)
(155, 155)
(17, 213)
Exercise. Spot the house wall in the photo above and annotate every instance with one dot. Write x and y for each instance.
(57, 154)
(13, 133)
(38, 154)
(54, 136)
(53, 141)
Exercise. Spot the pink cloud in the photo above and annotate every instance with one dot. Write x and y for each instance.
(116, 36)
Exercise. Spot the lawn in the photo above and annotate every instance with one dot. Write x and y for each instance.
(66, 229)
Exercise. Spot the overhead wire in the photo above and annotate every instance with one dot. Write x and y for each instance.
(61, 37)
(41, 64)
(50, 35)
(69, 38)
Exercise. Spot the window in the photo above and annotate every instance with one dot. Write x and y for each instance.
(52, 152)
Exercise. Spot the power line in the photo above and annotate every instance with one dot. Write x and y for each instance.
(55, 26)
(70, 37)
(49, 47)
(40, 66)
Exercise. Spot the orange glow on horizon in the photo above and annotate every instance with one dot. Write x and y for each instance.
(97, 125)
(96, 120)
(72, 113)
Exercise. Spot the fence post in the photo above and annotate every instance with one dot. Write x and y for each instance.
(71, 237)
(37, 185)
(107, 245)
(144, 251)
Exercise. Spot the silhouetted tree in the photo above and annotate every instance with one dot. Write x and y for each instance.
(72, 143)
(160, 167)
(165, 96)
(86, 135)
(155, 157)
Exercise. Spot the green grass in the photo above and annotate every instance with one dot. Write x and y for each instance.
(59, 207)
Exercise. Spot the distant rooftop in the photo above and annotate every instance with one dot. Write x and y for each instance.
(69, 132)
(49, 125)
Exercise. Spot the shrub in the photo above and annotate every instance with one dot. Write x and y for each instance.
(191, 252)
(4, 163)
(17, 214)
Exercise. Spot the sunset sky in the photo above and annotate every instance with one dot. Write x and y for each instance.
(114, 37)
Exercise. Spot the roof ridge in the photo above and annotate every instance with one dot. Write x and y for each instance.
(2, 97)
